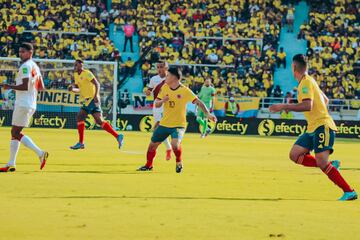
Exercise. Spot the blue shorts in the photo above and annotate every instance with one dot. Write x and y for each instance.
(91, 108)
(321, 140)
(161, 133)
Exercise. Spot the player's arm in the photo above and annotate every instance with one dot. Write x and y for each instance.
(40, 83)
(150, 87)
(97, 90)
(202, 106)
(159, 102)
(74, 88)
(22, 87)
(212, 102)
(305, 106)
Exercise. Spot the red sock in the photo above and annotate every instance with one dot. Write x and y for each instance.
(107, 127)
(150, 158)
(177, 152)
(81, 129)
(307, 160)
(334, 175)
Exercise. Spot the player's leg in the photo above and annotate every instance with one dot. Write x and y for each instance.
(157, 113)
(150, 155)
(21, 119)
(159, 135)
(300, 152)
(107, 127)
(177, 136)
(81, 116)
(202, 122)
(29, 143)
(14, 149)
(157, 117)
(323, 142)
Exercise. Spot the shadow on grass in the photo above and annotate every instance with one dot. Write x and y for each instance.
(350, 169)
(177, 198)
(95, 172)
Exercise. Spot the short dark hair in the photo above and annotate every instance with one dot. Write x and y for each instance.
(161, 61)
(300, 62)
(27, 46)
(79, 60)
(175, 71)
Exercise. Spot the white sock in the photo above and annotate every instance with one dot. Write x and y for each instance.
(167, 144)
(14, 149)
(30, 144)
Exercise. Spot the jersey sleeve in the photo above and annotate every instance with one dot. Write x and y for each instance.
(190, 96)
(151, 84)
(89, 76)
(25, 72)
(306, 91)
(161, 93)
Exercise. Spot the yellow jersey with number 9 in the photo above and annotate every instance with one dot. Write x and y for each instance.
(87, 88)
(319, 115)
(174, 114)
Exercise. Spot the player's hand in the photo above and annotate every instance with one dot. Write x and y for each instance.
(276, 108)
(70, 88)
(212, 117)
(165, 99)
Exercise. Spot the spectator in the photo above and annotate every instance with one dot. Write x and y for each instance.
(105, 18)
(277, 92)
(281, 58)
(232, 108)
(290, 18)
(129, 30)
(129, 67)
(124, 99)
(288, 98)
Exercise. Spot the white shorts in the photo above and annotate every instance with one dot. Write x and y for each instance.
(21, 116)
(158, 114)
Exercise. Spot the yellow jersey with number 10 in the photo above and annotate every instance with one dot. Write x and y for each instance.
(319, 115)
(87, 88)
(174, 114)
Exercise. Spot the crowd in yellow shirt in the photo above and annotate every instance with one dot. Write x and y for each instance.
(334, 47)
(56, 15)
(179, 29)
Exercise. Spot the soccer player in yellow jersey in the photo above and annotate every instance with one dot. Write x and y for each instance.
(321, 128)
(174, 97)
(88, 87)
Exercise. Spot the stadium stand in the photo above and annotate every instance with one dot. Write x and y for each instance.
(80, 29)
(59, 30)
(232, 30)
(334, 47)
(179, 28)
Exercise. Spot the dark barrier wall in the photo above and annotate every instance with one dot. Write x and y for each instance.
(226, 125)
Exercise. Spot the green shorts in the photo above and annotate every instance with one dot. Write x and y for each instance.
(91, 108)
(161, 133)
(322, 139)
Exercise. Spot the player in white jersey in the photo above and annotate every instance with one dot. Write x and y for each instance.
(28, 82)
(154, 87)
